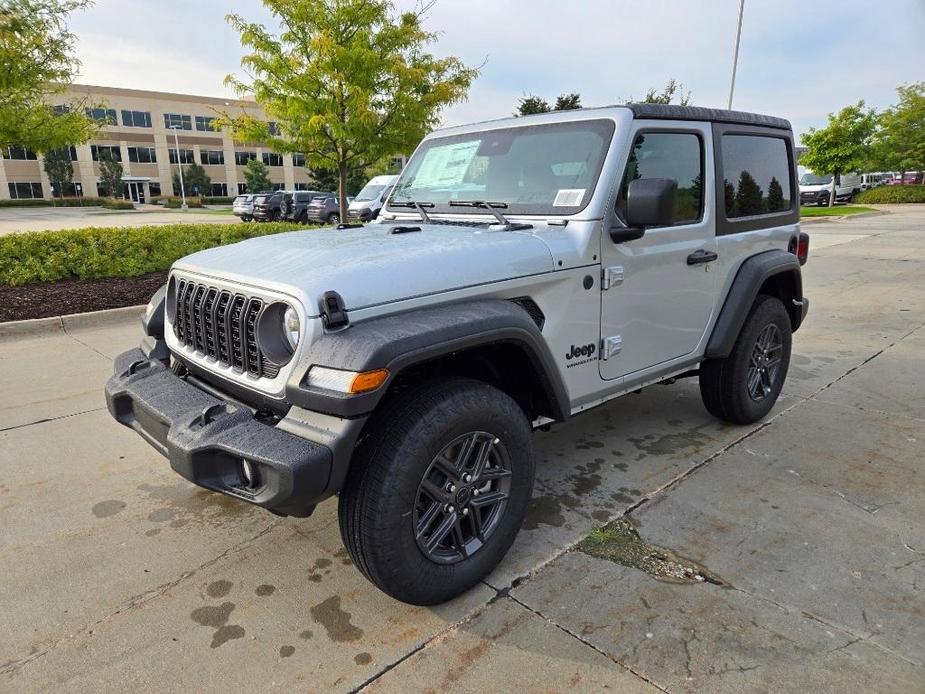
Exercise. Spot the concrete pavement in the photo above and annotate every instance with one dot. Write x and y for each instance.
(116, 574)
(15, 219)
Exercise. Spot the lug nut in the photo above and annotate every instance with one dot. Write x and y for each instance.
(450, 508)
(475, 492)
(465, 512)
(451, 488)
(467, 478)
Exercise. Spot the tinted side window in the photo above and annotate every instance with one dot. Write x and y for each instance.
(678, 156)
(756, 175)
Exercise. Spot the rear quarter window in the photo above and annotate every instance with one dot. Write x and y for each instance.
(756, 175)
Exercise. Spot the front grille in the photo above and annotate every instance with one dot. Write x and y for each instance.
(221, 325)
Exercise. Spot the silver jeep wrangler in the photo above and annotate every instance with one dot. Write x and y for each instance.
(523, 271)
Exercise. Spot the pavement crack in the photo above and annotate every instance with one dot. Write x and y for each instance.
(135, 601)
(51, 419)
(79, 341)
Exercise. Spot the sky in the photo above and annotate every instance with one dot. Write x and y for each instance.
(798, 59)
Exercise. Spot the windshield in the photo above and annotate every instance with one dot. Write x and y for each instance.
(811, 179)
(537, 169)
(369, 192)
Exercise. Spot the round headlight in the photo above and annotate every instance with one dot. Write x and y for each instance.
(291, 327)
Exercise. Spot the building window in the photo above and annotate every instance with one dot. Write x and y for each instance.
(677, 156)
(278, 186)
(61, 109)
(301, 186)
(218, 190)
(71, 153)
(18, 152)
(272, 159)
(241, 158)
(154, 187)
(756, 175)
(298, 159)
(100, 152)
(105, 116)
(70, 191)
(142, 155)
(211, 157)
(204, 123)
(242, 188)
(273, 128)
(186, 156)
(136, 119)
(178, 120)
(22, 191)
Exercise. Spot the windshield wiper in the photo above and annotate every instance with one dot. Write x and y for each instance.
(493, 208)
(419, 206)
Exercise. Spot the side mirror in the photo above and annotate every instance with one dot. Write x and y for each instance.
(650, 202)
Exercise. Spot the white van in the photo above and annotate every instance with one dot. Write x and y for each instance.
(369, 201)
(816, 189)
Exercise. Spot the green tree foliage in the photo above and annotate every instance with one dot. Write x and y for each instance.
(842, 145)
(749, 198)
(326, 180)
(776, 196)
(59, 169)
(899, 142)
(110, 174)
(257, 176)
(567, 102)
(668, 93)
(348, 82)
(195, 179)
(36, 65)
(531, 104)
(729, 197)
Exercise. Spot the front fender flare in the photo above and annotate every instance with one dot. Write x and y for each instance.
(398, 341)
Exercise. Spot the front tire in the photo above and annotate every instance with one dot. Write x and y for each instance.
(743, 387)
(334, 218)
(437, 493)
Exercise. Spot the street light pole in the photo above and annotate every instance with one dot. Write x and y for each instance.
(735, 57)
(176, 143)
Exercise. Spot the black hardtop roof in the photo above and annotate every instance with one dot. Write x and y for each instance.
(719, 115)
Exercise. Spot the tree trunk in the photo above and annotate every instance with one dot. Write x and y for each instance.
(342, 189)
(835, 178)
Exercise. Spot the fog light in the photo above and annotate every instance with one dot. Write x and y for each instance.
(249, 474)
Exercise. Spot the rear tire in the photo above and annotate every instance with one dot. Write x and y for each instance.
(402, 491)
(743, 387)
(334, 218)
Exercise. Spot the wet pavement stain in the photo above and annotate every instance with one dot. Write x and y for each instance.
(601, 515)
(587, 479)
(344, 556)
(107, 508)
(216, 617)
(265, 589)
(286, 651)
(218, 589)
(668, 444)
(306, 635)
(336, 622)
(180, 505)
(362, 658)
(318, 569)
(544, 510)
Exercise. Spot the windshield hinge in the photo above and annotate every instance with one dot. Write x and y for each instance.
(611, 276)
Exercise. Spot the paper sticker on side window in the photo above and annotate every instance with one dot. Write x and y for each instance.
(569, 197)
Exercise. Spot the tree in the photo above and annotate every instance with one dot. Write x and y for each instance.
(348, 82)
(899, 142)
(257, 176)
(749, 198)
(110, 174)
(36, 66)
(568, 102)
(775, 196)
(531, 104)
(59, 169)
(841, 146)
(729, 198)
(667, 94)
(326, 180)
(195, 180)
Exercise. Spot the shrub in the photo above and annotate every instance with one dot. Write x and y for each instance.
(218, 200)
(114, 204)
(173, 203)
(891, 194)
(95, 253)
(58, 202)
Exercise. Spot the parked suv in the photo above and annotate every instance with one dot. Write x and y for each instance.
(269, 207)
(300, 202)
(324, 209)
(524, 271)
(243, 206)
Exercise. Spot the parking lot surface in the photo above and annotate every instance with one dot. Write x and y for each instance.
(117, 575)
(14, 219)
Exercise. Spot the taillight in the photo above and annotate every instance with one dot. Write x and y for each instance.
(799, 246)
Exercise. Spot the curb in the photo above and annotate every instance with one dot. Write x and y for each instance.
(38, 327)
(842, 218)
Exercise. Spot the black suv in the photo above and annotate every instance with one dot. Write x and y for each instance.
(300, 203)
(272, 206)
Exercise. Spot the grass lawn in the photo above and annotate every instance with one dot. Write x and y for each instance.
(837, 211)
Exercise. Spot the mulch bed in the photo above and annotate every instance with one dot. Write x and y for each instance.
(76, 296)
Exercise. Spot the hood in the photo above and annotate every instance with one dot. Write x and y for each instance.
(370, 266)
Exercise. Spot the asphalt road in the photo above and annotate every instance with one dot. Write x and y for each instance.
(16, 219)
(117, 575)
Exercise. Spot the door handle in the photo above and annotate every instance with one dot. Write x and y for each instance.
(701, 256)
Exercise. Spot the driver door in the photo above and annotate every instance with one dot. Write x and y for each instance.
(658, 291)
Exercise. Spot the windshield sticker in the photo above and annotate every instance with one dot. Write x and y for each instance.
(569, 197)
(445, 165)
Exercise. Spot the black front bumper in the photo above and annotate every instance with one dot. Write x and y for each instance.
(206, 438)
